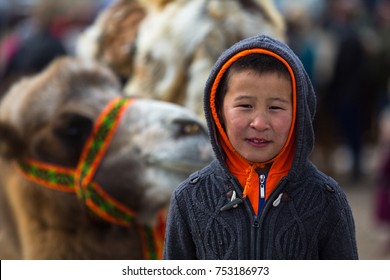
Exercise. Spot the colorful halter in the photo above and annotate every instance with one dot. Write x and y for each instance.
(91, 193)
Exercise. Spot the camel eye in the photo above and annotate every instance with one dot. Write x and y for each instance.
(190, 129)
(187, 128)
(73, 129)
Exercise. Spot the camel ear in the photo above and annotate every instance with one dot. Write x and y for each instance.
(12, 145)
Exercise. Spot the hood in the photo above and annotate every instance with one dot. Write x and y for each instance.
(300, 142)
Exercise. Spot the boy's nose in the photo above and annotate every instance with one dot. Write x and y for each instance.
(260, 121)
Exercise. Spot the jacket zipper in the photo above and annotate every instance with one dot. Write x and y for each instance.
(260, 218)
(254, 234)
(256, 218)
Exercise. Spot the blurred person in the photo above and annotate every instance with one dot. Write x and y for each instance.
(382, 191)
(382, 27)
(4, 10)
(345, 94)
(33, 47)
(301, 39)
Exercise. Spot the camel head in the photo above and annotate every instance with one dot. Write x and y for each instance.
(72, 119)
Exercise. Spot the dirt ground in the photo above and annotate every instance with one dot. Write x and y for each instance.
(371, 238)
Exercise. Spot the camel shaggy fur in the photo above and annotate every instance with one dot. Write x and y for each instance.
(50, 118)
(111, 39)
(178, 42)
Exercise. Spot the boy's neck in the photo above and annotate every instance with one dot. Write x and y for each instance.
(265, 169)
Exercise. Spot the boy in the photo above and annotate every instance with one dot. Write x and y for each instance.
(261, 198)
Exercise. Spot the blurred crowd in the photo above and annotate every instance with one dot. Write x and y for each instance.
(343, 44)
(34, 32)
(345, 47)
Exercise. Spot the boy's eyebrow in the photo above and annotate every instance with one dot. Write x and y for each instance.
(279, 99)
(241, 97)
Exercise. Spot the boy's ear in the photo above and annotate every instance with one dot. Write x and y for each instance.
(12, 146)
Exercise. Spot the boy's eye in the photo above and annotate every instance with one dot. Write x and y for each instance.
(275, 108)
(244, 105)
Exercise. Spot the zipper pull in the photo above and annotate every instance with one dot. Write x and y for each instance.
(262, 182)
(262, 186)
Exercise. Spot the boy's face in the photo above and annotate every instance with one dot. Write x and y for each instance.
(257, 113)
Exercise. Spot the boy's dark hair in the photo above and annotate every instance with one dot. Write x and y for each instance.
(260, 63)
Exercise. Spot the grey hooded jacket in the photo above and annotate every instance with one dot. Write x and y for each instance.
(310, 220)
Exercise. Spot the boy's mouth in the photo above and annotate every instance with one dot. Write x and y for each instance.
(258, 142)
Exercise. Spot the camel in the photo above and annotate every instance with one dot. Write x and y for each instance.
(171, 48)
(111, 38)
(86, 173)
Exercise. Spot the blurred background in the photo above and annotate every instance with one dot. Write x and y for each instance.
(345, 48)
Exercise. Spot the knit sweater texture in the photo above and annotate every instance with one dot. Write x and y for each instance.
(307, 215)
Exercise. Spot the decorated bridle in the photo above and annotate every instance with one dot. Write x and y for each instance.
(80, 180)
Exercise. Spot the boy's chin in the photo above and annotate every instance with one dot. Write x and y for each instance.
(258, 160)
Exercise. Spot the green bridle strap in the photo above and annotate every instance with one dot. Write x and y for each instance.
(153, 238)
(98, 142)
(53, 177)
(93, 153)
